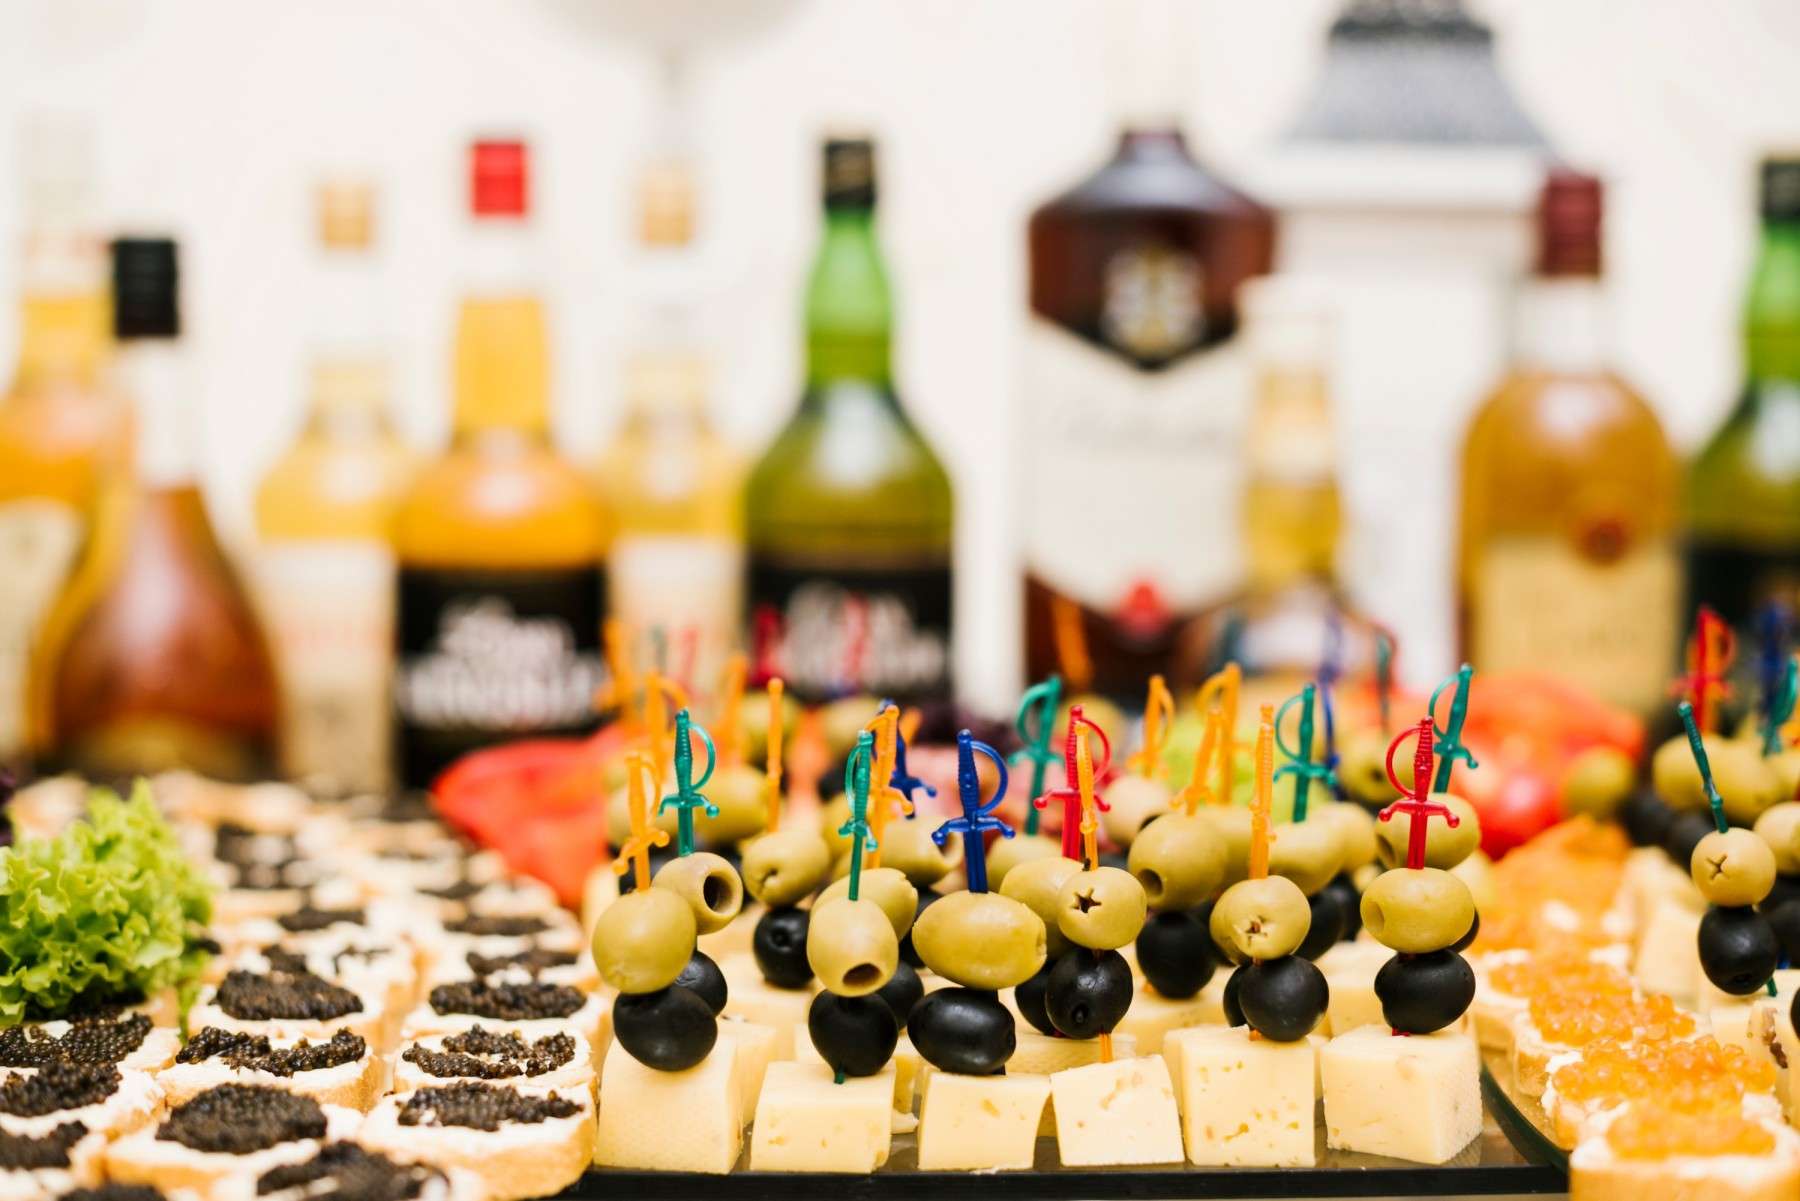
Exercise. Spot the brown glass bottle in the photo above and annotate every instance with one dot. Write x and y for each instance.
(152, 658)
(1134, 407)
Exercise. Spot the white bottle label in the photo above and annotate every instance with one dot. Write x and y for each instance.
(38, 541)
(687, 591)
(329, 608)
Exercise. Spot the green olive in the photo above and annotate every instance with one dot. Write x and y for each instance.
(1733, 868)
(782, 867)
(618, 815)
(888, 888)
(1009, 853)
(907, 846)
(1477, 871)
(1779, 826)
(1102, 908)
(644, 939)
(737, 791)
(843, 719)
(1261, 919)
(832, 816)
(1036, 884)
(1445, 845)
(1362, 768)
(1355, 829)
(1309, 853)
(707, 882)
(1597, 781)
(1786, 766)
(1180, 861)
(753, 724)
(851, 946)
(980, 940)
(1232, 824)
(1746, 784)
(1136, 802)
(1417, 911)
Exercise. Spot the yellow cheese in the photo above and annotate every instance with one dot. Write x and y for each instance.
(1244, 1101)
(1414, 1097)
(1349, 969)
(1121, 1112)
(686, 1121)
(905, 1062)
(754, 999)
(1772, 1024)
(1668, 958)
(807, 1123)
(1152, 1016)
(755, 1047)
(600, 889)
(735, 938)
(976, 1123)
(1040, 1055)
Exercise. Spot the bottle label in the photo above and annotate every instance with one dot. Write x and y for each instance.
(487, 656)
(833, 631)
(329, 608)
(1607, 621)
(38, 541)
(681, 597)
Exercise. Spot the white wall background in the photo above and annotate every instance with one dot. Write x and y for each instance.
(215, 115)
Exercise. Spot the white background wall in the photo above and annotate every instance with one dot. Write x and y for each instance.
(215, 115)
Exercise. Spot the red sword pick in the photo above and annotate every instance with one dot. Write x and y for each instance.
(1070, 793)
(1709, 655)
(1416, 802)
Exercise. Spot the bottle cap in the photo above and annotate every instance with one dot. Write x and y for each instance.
(499, 178)
(1781, 188)
(849, 174)
(145, 281)
(346, 214)
(1569, 215)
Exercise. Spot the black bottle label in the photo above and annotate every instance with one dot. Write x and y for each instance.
(879, 630)
(487, 656)
(1739, 580)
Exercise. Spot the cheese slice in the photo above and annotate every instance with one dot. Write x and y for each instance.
(907, 1066)
(1244, 1101)
(1122, 1112)
(752, 998)
(806, 1122)
(687, 1121)
(755, 1048)
(1040, 1055)
(1414, 1097)
(980, 1123)
(1668, 958)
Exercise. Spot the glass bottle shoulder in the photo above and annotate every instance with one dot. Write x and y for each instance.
(499, 499)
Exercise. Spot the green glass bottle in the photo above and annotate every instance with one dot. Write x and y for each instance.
(1743, 502)
(849, 512)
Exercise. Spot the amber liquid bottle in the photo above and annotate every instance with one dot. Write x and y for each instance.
(324, 565)
(153, 657)
(497, 627)
(1134, 407)
(1568, 561)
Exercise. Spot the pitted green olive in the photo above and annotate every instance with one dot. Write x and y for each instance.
(888, 889)
(618, 815)
(1445, 845)
(1008, 853)
(1786, 767)
(1362, 769)
(1102, 908)
(1232, 823)
(1733, 868)
(1597, 781)
(1180, 861)
(737, 791)
(708, 883)
(1356, 832)
(851, 946)
(832, 816)
(843, 719)
(1417, 911)
(1746, 784)
(1261, 919)
(1136, 802)
(907, 846)
(782, 867)
(1309, 853)
(980, 940)
(753, 724)
(1036, 884)
(1779, 826)
(644, 939)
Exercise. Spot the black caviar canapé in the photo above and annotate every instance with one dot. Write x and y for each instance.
(531, 959)
(507, 1002)
(491, 925)
(25, 1152)
(492, 1055)
(114, 1192)
(284, 996)
(56, 1087)
(312, 917)
(347, 1172)
(91, 1040)
(236, 1119)
(253, 1052)
(480, 1106)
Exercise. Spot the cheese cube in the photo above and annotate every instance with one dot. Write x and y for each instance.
(806, 1122)
(976, 1123)
(735, 938)
(1041, 1055)
(1121, 1112)
(1349, 969)
(1244, 1101)
(755, 1047)
(753, 999)
(1668, 959)
(906, 1063)
(599, 890)
(686, 1121)
(1152, 1016)
(1414, 1097)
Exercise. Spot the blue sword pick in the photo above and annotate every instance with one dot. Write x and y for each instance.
(977, 819)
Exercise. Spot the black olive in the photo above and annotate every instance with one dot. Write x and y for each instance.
(1088, 992)
(779, 944)
(1029, 997)
(903, 990)
(1469, 936)
(658, 857)
(1423, 993)
(1349, 905)
(1684, 834)
(853, 1035)
(1175, 953)
(1647, 818)
(1327, 924)
(1738, 949)
(703, 977)
(1283, 999)
(963, 1030)
(907, 954)
(1787, 888)
(1784, 919)
(670, 1029)
(1234, 1012)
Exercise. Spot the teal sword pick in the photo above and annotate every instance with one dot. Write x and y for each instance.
(1450, 748)
(687, 796)
(1040, 702)
(1300, 763)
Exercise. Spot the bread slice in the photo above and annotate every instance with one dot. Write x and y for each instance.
(516, 1159)
(50, 1164)
(345, 1071)
(1597, 1173)
(222, 1005)
(130, 1040)
(501, 1055)
(99, 1096)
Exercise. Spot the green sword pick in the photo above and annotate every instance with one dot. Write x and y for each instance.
(1450, 746)
(856, 785)
(1300, 763)
(1781, 708)
(687, 797)
(1041, 701)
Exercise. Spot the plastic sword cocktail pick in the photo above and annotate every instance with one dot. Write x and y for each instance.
(660, 695)
(687, 796)
(772, 757)
(901, 779)
(1197, 791)
(1300, 763)
(1070, 793)
(1780, 708)
(977, 819)
(1221, 689)
(1709, 655)
(1159, 715)
(1068, 631)
(1091, 804)
(856, 785)
(1035, 722)
(635, 854)
(1262, 795)
(1698, 746)
(1386, 648)
(1449, 746)
(1772, 622)
(1415, 803)
(884, 798)
(731, 705)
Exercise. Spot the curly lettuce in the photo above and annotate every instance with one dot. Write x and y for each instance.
(109, 908)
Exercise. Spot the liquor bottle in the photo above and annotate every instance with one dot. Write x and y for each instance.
(1135, 398)
(1743, 494)
(324, 566)
(497, 630)
(1568, 561)
(849, 511)
(152, 657)
(673, 486)
(56, 418)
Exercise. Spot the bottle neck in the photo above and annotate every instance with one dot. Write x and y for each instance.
(1772, 315)
(66, 311)
(1291, 511)
(1561, 325)
(849, 311)
(155, 374)
(502, 347)
(665, 390)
